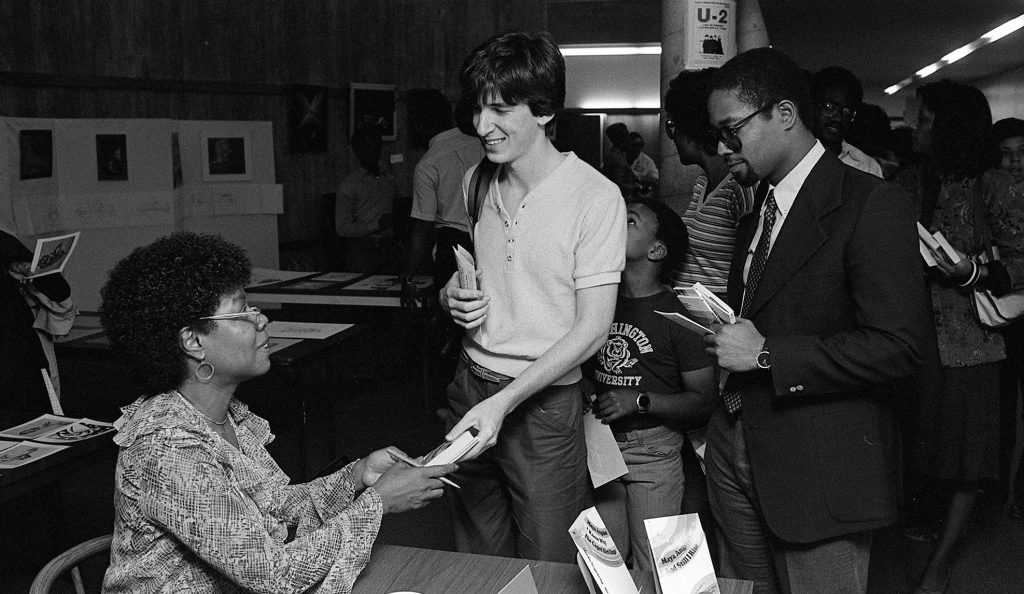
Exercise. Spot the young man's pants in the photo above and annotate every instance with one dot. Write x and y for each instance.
(519, 498)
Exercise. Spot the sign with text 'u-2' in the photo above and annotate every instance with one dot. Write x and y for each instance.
(710, 36)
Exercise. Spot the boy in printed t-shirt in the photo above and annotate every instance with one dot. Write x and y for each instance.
(653, 382)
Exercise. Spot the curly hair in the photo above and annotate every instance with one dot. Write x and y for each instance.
(961, 138)
(672, 232)
(519, 68)
(161, 288)
(686, 103)
(765, 75)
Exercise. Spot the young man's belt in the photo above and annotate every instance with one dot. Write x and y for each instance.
(482, 372)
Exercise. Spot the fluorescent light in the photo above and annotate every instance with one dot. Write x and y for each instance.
(653, 49)
(959, 53)
(1004, 29)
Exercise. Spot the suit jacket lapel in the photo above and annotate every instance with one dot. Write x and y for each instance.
(801, 234)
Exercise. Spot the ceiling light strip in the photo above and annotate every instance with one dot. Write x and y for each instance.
(649, 49)
(959, 53)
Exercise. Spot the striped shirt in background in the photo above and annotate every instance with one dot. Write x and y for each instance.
(711, 222)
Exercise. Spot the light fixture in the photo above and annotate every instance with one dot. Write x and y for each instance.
(959, 53)
(601, 49)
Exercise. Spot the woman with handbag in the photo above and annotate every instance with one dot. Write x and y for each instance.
(958, 429)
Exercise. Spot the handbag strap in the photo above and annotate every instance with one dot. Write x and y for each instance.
(479, 183)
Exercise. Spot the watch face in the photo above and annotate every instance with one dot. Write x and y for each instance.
(764, 360)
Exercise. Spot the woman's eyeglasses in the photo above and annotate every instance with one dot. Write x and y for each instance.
(251, 314)
(728, 134)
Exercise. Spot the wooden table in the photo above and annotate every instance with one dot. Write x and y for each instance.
(394, 569)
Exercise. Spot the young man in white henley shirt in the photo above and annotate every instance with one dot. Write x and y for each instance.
(550, 246)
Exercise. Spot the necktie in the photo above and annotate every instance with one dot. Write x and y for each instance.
(732, 399)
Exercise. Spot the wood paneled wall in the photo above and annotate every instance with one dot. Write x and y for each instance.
(234, 60)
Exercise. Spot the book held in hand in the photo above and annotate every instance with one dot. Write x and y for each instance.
(935, 244)
(703, 306)
(467, 268)
(452, 451)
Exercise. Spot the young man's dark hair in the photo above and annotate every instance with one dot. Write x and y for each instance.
(837, 77)
(519, 68)
(765, 75)
(671, 232)
(1007, 128)
(686, 103)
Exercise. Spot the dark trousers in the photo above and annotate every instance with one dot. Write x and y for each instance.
(519, 498)
(1011, 380)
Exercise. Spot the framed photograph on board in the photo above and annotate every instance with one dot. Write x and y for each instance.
(226, 156)
(111, 157)
(36, 148)
(370, 104)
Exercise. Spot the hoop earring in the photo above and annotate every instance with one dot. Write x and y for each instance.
(207, 378)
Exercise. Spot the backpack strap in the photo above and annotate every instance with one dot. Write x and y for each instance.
(479, 183)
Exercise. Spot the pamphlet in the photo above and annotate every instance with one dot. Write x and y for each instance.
(681, 557)
(57, 429)
(685, 322)
(26, 452)
(937, 244)
(521, 584)
(315, 330)
(600, 555)
(704, 306)
(604, 459)
(467, 268)
(452, 451)
(52, 254)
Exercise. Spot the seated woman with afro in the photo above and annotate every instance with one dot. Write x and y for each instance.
(200, 504)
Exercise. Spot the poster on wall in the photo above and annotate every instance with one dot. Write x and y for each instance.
(226, 156)
(373, 104)
(710, 33)
(111, 157)
(36, 152)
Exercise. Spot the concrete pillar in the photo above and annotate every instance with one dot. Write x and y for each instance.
(676, 185)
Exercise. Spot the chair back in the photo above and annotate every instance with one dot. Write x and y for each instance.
(68, 560)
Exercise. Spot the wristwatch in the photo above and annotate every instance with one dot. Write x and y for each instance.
(764, 360)
(643, 402)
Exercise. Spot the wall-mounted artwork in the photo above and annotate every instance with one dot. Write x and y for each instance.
(111, 157)
(36, 150)
(226, 157)
(307, 119)
(373, 104)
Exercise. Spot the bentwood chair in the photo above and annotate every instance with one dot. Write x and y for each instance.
(69, 560)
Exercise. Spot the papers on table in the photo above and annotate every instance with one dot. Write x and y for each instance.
(601, 561)
(52, 253)
(467, 268)
(48, 434)
(604, 459)
(301, 330)
(336, 277)
(279, 344)
(521, 584)
(267, 276)
(680, 553)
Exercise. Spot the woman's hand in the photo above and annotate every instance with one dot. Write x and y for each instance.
(375, 465)
(403, 487)
(959, 272)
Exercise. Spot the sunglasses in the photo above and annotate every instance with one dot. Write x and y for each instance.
(670, 129)
(249, 314)
(728, 134)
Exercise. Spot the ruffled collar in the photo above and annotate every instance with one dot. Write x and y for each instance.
(170, 410)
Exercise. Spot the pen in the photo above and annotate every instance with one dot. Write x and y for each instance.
(400, 458)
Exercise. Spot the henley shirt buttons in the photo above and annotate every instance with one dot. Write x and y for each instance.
(795, 389)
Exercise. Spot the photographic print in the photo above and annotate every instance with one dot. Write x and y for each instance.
(79, 431)
(52, 253)
(36, 148)
(26, 453)
(226, 157)
(111, 157)
(38, 427)
(373, 104)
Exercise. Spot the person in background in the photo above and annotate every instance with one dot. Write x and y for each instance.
(959, 429)
(837, 95)
(870, 133)
(550, 247)
(32, 312)
(363, 211)
(642, 167)
(654, 382)
(718, 199)
(200, 506)
(616, 163)
(1009, 134)
(826, 278)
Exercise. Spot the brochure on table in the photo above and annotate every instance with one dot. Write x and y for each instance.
(598, 557)
(45, 435)
(681, 557)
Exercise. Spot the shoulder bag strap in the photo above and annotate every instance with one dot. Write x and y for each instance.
(479, 183)
(982, 230)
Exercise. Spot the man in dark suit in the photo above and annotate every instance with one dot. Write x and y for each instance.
(827, 279)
